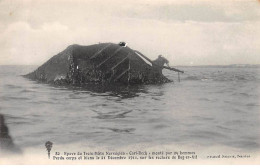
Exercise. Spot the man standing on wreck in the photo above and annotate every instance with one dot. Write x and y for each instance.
(159, 63)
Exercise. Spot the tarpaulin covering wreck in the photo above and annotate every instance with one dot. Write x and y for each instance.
(97, 64)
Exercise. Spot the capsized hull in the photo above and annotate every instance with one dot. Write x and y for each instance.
(97, 64)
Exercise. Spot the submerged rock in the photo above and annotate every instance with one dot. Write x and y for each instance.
(104, 63)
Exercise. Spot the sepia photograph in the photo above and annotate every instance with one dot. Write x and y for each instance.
(141, 82)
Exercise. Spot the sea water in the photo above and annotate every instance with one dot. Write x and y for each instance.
(210, 106)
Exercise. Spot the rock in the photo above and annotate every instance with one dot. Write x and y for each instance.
(104, 63)
(6, 142)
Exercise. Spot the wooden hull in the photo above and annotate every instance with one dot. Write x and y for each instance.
(97, 64)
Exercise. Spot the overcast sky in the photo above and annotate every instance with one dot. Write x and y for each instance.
(200, 32)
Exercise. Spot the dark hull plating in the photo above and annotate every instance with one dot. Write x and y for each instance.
(97, 64)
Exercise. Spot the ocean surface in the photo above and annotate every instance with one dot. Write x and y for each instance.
(210, 106)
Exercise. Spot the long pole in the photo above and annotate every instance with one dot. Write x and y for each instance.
(173, 69)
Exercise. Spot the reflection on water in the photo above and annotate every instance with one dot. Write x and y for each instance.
(121, 91)
(208, 107)
(111, 115)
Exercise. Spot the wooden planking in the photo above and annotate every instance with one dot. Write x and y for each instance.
(117, 50)
(120, 62)
(127, 70)
(97, 53)
(119, 76)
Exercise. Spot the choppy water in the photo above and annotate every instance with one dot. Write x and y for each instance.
(210, 106)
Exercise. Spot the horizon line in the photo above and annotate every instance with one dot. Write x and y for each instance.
(170, 66)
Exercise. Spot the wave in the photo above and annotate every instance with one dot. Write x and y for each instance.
(27, 91)
(220, 77)
(192, 78)
(10, 98)
(10, 86)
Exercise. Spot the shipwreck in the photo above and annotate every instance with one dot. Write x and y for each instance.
(103, 63)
